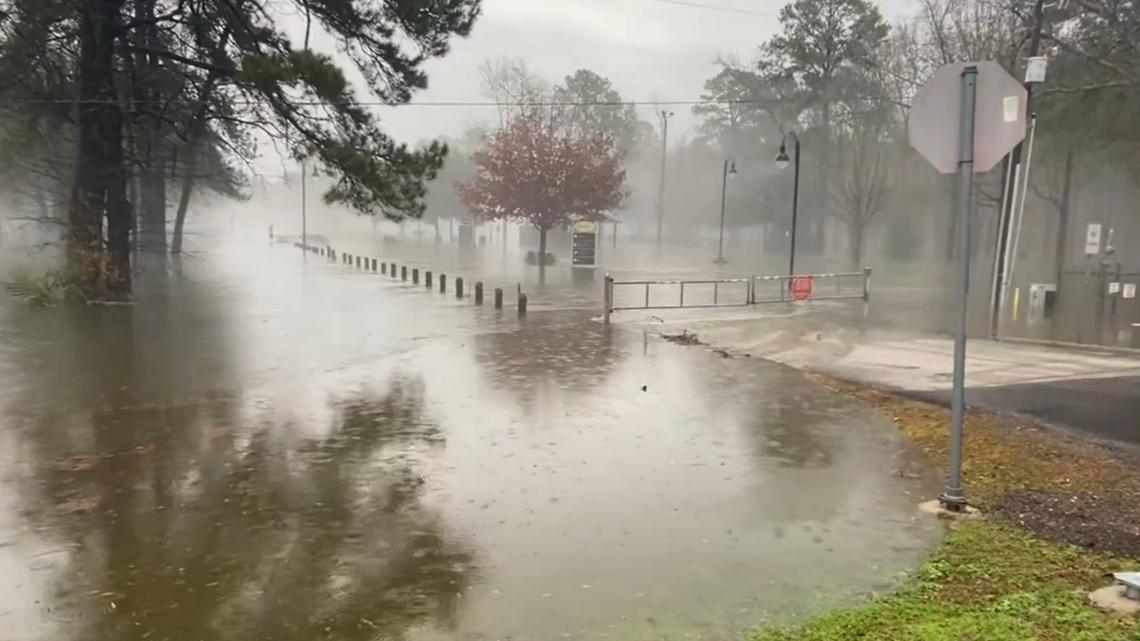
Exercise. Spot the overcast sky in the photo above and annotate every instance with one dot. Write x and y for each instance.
(649, 49)
(661, 50)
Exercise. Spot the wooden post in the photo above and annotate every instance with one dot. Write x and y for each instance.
(415, 277)
(427, 279)
(384, 268)
(404, 272)
(442, 283)
(479, 293)
(374, 267)
(498, 298)
(459, 287)
(522, 304)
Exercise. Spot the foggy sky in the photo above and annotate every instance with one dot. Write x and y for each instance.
(650, 49)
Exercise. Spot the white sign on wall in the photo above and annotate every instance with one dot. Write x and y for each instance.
(1092, 239)
(1114, 288)
(1130, 290)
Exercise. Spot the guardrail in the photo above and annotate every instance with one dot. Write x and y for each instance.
(752, 290)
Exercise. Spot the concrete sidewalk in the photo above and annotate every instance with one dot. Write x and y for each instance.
(1088, 389)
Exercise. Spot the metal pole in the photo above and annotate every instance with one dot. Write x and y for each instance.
(723, 193)
(795, 211)
(1019, 209)
(1009, 187)
(661, 183)
(954, 498)
(607, 298)
(304, 204)
(997, 302)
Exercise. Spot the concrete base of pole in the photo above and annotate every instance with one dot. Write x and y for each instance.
(935, 508)
(1112, 599)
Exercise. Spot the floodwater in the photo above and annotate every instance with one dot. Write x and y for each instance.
(266, 449)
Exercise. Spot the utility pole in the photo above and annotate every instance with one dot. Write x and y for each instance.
(1011, 178)
(664, 115)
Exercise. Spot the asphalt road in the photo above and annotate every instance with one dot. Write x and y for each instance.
(1107, 408)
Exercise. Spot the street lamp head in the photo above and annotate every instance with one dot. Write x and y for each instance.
(732, 168)
(782, 159)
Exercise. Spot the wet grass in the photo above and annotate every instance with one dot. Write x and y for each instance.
(1001, 578)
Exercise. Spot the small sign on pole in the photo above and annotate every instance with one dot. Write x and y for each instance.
(1092, 239)
(801, 287)
(1114, 288)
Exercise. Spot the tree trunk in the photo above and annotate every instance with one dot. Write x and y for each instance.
(189, 178)
(99, 187)
(542, 255)
(857, 245)
(152, 196)
(1063, 224)
(152, 157)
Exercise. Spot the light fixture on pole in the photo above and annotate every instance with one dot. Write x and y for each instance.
(665, 116)
(782, 161)
(729, 170)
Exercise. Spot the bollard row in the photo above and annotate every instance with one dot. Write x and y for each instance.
(375, 266)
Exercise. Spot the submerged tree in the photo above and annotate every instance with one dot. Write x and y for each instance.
(532, 172)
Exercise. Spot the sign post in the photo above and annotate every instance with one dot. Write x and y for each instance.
(988, 124)
(954, 498)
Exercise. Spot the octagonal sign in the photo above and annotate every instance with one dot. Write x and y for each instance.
(935, 116)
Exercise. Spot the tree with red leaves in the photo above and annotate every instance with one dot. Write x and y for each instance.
(533, 172)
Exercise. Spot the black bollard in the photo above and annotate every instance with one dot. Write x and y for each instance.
(522, 304)
(427, 280)
(479, 293)
(415, 277)
(404, 272)
(459, 287)
(375, 268)
(392, 267)
(442, 283)
(358, 262)
(384, 268)
(498, 298)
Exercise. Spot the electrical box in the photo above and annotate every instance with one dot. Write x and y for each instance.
(1035, 69)
(1042, 302)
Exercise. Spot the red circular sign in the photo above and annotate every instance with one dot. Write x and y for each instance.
(801, 288)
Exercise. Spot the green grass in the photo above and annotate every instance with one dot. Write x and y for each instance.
(985, 582)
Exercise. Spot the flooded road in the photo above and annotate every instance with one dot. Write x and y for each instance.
(262, 449)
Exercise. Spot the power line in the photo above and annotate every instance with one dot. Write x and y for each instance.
(713, 7)
(378, 103)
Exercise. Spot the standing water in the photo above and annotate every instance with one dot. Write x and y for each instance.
(261, 449)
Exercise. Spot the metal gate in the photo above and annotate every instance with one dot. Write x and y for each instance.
(730, 292)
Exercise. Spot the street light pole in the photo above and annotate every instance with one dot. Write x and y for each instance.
(782, 160)
(304, 207)
(665, 115)
(729, 169)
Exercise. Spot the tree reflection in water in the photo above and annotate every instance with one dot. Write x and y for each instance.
(196, 526)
